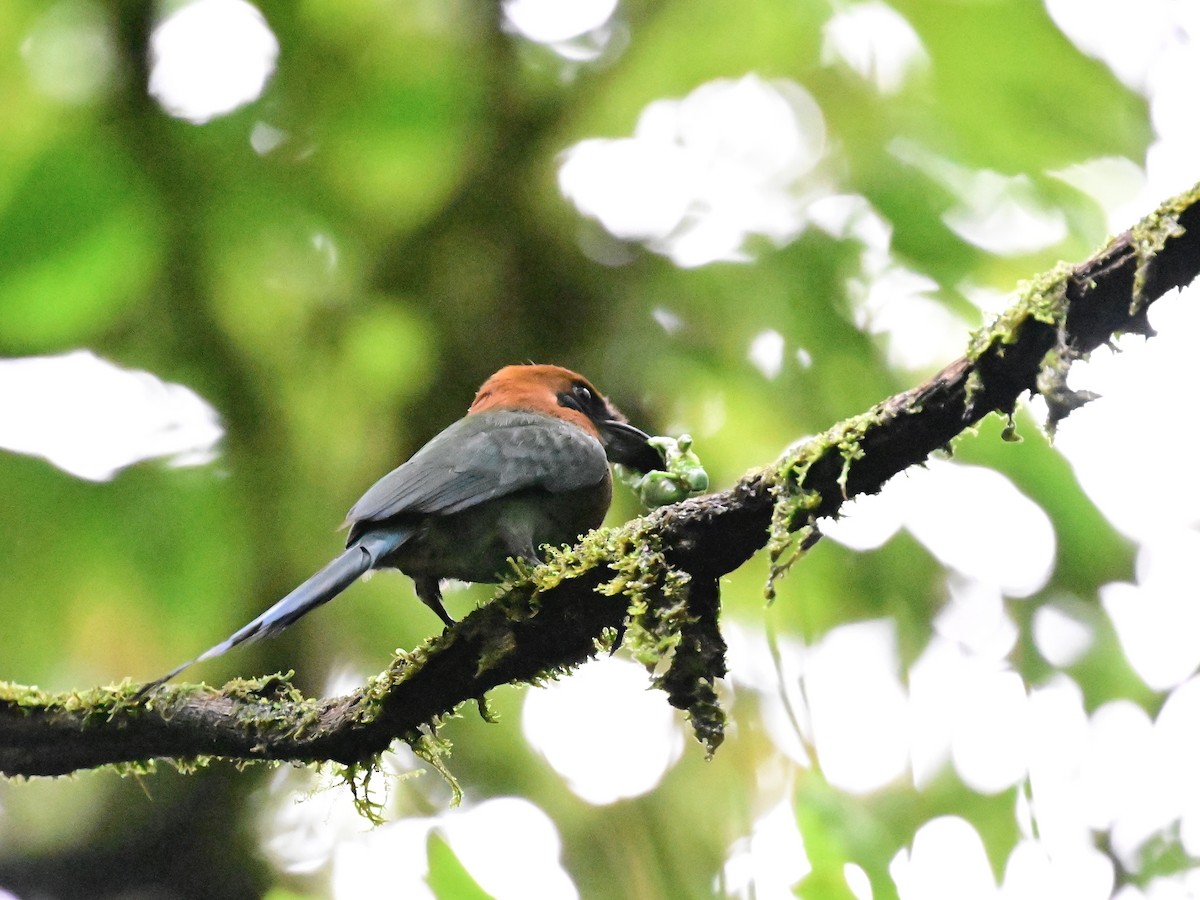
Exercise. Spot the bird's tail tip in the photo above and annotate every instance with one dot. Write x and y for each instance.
(151, 686)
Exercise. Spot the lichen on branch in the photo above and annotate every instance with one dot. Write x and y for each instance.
(667, 564)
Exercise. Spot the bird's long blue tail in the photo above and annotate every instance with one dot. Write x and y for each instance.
(320, 588)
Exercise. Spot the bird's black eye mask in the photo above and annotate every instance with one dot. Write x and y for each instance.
(581, 398)
(622, 442)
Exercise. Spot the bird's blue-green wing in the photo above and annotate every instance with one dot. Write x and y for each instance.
(484, 456)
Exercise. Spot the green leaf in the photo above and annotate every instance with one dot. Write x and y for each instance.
(448, 877)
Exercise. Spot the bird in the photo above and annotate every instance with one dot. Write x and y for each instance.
(526, 467)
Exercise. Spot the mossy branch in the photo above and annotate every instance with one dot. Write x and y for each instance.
(558, 615)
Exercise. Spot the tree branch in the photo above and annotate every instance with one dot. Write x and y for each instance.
(664, 566)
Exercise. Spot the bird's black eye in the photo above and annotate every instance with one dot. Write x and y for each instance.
(579, 398)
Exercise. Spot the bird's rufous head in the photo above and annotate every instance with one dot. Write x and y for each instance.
(559, 392)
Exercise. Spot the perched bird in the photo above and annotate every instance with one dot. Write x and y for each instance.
(527, 466)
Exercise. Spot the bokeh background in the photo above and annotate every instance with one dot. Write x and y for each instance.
(252, 257)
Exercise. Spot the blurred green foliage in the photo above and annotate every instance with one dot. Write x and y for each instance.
(339, 298)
